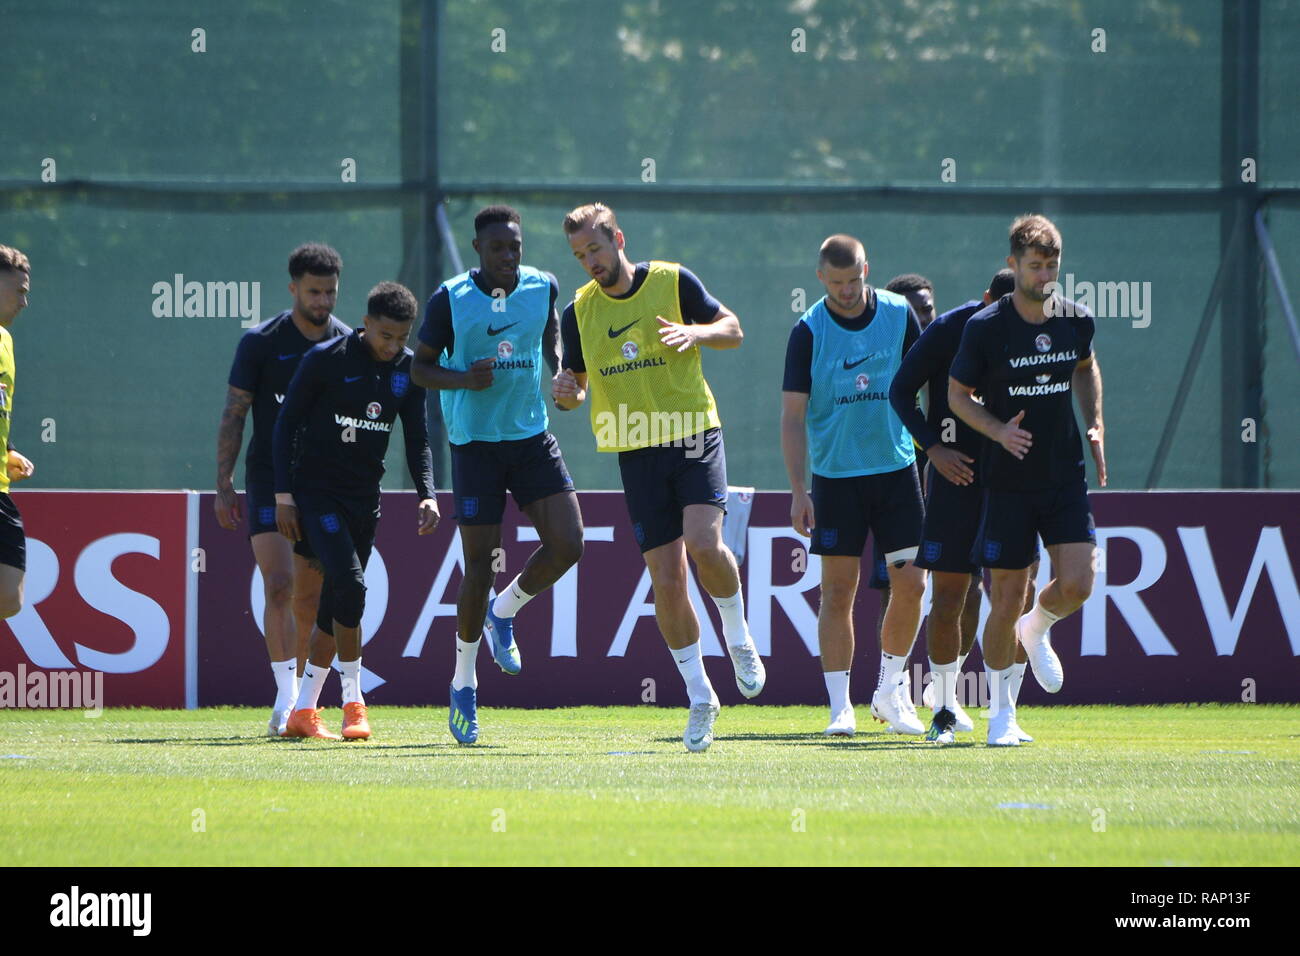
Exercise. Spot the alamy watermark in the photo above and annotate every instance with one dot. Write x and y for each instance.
(208, 300)
(54, 690)
(1105, 300)
(637, 429)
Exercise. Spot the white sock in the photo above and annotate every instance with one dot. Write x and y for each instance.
(1000, 691)
(891, 665)
(351, 676)
(1017, 678)
(510, 600)
(466, 655)
(961, 661)
(1037, 622)
(286, 682)
(732, 611)
(837, 691)
(945, 685)
(691, 665)
(313, 680)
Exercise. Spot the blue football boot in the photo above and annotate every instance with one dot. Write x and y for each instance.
(462, 721)
(501, 635)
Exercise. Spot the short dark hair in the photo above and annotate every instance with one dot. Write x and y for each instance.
(1003, 281)
(391, 300)
(908, 283)
(841, 251)
(316, 258)
(1034, 231)
(12, 260)
(490, 215)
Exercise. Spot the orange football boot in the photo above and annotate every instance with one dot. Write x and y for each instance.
(307, 723)
(355, 724)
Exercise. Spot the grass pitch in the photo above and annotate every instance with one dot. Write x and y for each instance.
(1140, 786)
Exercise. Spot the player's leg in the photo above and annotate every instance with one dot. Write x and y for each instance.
(840, 575)
(325, 523)
(878, 581)
(540, 482)
(952, 515)
(657, 526)
(559, 528)
(681, 630)
(11, 590)
(558, 521)
(839, 537)
(479, 546)
(1007, 544)
(13, 557)
(1022, 657)
(1064, 520)
(349, 600)
(699, 485)
(274, 556)
(896, 517)
(307, 581)
(948, 596)
(479, 487)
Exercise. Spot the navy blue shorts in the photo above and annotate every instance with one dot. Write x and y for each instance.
(259, 498)
(660, 481)
(341, 530)
(13, 540)
(952, 521)
(886, 506)
(483, 471)
(1012, 521)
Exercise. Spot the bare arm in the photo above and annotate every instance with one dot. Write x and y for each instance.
(794, 449)
(569, 389)
(428, 373)
(551, 341)
(722, 333)
(1008, 434)
(230, 438)
(1086, 382)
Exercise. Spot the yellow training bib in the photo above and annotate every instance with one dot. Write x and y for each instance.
(641, 392)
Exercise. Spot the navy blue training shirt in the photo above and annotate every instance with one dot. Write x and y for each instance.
(928, 363)
(341, 390)
(698, 307)
(267, 357)
(1017, 365)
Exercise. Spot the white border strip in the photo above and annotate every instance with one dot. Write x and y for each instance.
(191, 601)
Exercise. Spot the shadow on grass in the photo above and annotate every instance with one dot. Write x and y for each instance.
(861, 742)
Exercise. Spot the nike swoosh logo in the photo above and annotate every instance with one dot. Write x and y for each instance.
(747, 684)
(683, 662)
(353, 378)
(847, 366)
(492, 331)
(289, 356)
(615, 333)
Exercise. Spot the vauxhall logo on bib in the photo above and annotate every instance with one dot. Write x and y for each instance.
(630, 351)
(373, 410)
(1043, 343)
(861, 382)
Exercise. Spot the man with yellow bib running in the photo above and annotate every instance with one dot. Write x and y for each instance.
(15, 282)
(630, 345)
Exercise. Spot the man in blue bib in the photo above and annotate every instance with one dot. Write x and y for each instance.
(840, 360)
(484, 337)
